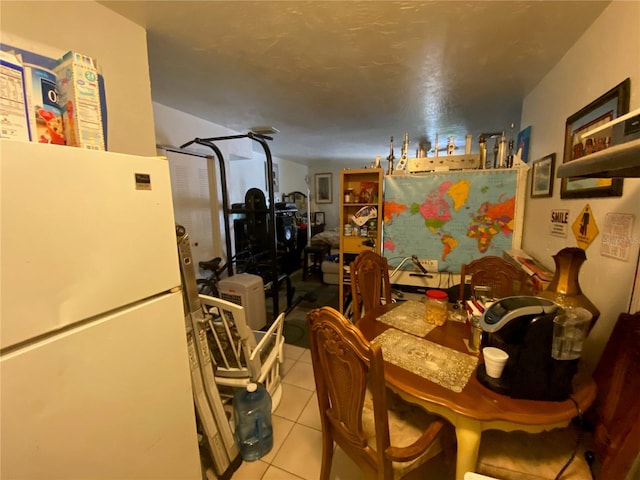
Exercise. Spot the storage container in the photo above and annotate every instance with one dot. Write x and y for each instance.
(252, 420)
(436, 306)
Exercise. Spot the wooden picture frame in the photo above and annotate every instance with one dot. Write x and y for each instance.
(323, 187)
(611, 105)
(542, 175)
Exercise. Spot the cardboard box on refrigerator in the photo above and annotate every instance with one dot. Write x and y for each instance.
(80, 101)
(45, 115)
(540, 275)
(14, 117)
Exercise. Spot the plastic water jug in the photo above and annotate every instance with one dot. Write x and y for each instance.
(252, 419)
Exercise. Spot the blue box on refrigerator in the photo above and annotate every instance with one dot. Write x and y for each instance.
(45, 115)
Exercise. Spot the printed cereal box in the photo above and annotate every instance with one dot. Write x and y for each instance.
(14, 121)
(45, 116)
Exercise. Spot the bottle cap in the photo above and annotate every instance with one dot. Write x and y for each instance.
(252, 387)
(437, 294)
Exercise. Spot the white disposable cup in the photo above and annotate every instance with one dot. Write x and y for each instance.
(494, 361)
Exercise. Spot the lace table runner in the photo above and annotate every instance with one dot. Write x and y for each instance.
(444, 366)
(409, 317)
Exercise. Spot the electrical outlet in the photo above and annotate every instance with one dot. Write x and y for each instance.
(430, 264)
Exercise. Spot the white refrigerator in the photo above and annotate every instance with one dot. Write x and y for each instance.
(94, 372)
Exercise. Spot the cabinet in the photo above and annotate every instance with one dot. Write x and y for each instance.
(360, 192)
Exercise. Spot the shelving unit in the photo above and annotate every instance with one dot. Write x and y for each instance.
(618, 161)
(369, 180)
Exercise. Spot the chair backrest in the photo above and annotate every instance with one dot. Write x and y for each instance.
(344, 364)
(617, 409)
(234, 348)
(504, 278)
(370, 283)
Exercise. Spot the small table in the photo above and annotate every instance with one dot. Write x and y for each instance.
(475, 408)
(317, 252)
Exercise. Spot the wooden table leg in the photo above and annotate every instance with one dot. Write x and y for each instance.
(468, 433)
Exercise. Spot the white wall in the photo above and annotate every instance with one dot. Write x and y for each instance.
(291, 175)
(603, 57)
(119, 45)
(331, 210)
(175, 128)
(244, 166)
(245, 174)
(244, 158)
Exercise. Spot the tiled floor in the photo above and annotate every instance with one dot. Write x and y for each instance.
(297, 443)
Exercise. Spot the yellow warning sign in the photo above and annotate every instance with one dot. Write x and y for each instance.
(584, 227)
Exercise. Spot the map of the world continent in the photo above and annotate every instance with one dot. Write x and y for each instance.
(453, 217)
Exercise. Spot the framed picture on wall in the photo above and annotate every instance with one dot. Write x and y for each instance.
(318, 218)
(522, 143)
(542, 176)
(324, 185)
(576, 145)
(276, 177)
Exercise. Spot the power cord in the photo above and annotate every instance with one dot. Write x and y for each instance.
(450, 282)
(589, 457)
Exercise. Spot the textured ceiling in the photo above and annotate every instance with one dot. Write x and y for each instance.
(339, 78)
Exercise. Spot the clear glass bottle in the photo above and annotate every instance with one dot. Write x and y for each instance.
(349, 195)
(475, 335)
(436, 306)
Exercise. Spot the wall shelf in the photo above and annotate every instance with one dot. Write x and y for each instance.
(618, 161)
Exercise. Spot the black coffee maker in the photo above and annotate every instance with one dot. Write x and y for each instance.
(522, 326)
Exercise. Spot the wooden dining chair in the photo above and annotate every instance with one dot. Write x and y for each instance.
(370, 285)
(609, 434)
(502, 277)
(386, 437)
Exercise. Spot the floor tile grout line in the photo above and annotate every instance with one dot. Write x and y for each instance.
(295, 422)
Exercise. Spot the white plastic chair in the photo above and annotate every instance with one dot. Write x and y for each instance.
(242, 355)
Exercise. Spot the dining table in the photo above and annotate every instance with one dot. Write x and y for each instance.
(432, 366)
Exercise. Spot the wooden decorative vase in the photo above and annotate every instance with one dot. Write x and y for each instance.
(564, 288)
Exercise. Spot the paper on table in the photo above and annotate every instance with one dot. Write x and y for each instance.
(409, 317)
(444, 366)
(475, 308)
